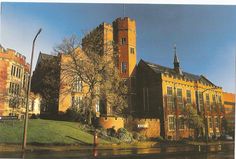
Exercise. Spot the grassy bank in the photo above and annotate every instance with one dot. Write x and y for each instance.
(46, 132)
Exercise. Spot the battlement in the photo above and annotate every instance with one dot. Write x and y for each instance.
(105, 25)
(124, 23)
(99, 28)
(15, 53)
(124, 19)
(12, 54)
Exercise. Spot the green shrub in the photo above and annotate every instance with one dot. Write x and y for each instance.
(124, 135)
(142, 138)
(74, 114)
(138, 136)
(160, 138)
(102, 132)
(111, 132)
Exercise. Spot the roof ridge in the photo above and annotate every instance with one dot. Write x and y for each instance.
(169, 68)
(162, 69)
(157, 64)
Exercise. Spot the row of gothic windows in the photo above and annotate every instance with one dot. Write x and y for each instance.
(180, 104)
(183, 123)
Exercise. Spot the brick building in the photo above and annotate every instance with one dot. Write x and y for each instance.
(118, 37)
(155, 92)
(122, 33)
(164, 92)
(14, 73)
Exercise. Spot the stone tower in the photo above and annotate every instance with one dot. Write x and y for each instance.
(124, 35)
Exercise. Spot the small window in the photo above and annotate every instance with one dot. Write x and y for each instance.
(77, 85)
(170, 101)
(181, 123)
(180, 99)
(171, 122)
(76, 101)
(200, 101)
(208, 102)
(124, 67)
(10, 88)
(19, 73)
(14, 70)
(188, 94)
(123, 41)
(132, 50)
(17, 89)
(210, 122)
(216, 122)
(13, 88)
(214, 102)
(220, 104)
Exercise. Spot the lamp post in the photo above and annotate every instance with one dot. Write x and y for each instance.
(28, 93)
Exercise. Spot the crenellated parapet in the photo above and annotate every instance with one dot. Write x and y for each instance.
(12, 55)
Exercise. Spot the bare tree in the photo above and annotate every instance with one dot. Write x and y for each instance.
(94, 62)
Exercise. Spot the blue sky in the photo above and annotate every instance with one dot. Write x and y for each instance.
(205, 35)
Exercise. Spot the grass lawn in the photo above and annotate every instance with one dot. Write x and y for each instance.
(46, 132)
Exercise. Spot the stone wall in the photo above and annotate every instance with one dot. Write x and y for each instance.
(109, 122)
(145, 126)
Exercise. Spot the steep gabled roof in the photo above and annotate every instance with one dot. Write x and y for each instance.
(162, 69)
(44, 56)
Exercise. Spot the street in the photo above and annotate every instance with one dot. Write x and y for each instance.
(194, 152)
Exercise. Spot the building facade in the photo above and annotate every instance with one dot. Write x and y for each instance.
(155, 92)
(124, 36)
(164, 93)
(14, 75)
(116, 38)
(119, 36)
(229, 106)
(72, 89)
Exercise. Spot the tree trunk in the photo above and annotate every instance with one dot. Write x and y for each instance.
(90, 108)
(90, 117)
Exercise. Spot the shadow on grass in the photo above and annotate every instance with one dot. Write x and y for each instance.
(79, 141)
